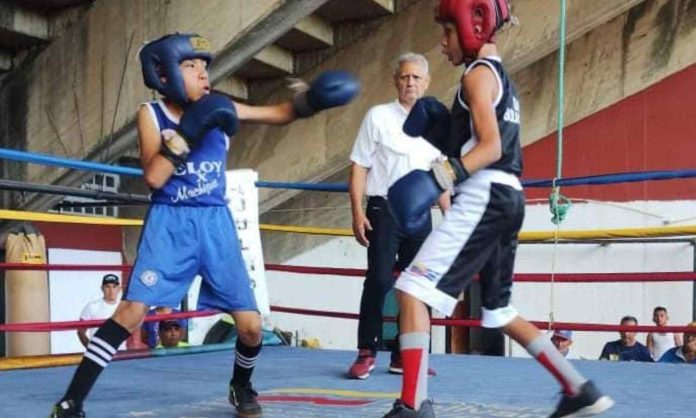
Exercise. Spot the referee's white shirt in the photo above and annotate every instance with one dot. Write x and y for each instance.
(382, 147)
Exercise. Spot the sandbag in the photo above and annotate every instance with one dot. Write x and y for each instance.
(26, 292)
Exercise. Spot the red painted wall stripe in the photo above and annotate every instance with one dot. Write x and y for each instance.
(654, 129)
(82, 237)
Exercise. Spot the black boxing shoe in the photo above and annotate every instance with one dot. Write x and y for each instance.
(66, 409)
(399, 410)
(590, 401)
(243, 398)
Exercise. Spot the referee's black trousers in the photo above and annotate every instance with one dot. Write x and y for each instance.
(390, 249)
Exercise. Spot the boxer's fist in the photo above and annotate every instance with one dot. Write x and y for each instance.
(410, 199)
(449, 173)
(330, 89)
(209, 112)
(430, 119)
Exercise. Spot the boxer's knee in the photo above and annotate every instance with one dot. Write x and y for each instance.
(248, 326)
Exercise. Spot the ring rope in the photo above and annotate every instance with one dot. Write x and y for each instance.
(71, 359)
(122, 198)
(112, 198)
(312, 209)
(71, 325)
(343, 232)
(612, 178)
(18, 215)
(528, 236)
(572, 278)
(603, 203)
(639, 277)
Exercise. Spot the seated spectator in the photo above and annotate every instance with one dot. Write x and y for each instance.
(171, 333)
(659, 342)
(626, 348)
(149, 330)
(563, 339)
(685, 353)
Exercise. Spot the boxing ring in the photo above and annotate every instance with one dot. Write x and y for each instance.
(297, 382)
(305, 383)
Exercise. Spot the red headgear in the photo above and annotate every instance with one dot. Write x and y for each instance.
(489, 14)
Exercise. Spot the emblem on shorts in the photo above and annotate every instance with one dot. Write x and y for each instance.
(420, 269)
(149, 278)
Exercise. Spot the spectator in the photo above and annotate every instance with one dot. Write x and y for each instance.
(382, 153)
(659, 342)
(685, 353)
(563, 339)
(626, 348)
(150, 330)
(171, 333)
(101, 308)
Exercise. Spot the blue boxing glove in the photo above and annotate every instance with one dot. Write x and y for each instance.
(411, 197)
(209, 112)
(330, 89)
(430, 119)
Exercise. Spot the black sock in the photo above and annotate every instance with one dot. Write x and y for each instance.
(244, 362)
(100, 350)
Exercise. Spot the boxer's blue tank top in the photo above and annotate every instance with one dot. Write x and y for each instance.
(201, 180)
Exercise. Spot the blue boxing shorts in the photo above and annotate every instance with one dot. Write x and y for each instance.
(179, 242)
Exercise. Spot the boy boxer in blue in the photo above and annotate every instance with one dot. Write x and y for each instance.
(188, 229)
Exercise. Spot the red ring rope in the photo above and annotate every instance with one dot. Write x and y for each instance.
(681, 276)
(525, 277)
(69, 325)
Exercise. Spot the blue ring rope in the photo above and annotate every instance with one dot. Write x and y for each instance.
(630, 177)
(38, 158)
(321, 187)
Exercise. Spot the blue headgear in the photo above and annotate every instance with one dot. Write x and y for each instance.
(161, 58)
